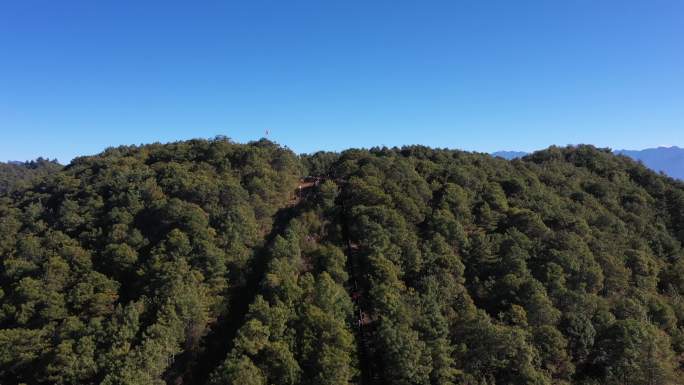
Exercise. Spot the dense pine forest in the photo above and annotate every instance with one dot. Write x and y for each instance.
(212, 262)
(18, 175)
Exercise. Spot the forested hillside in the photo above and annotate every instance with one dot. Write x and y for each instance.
(669, 160)
(211, 262)
(18, 175)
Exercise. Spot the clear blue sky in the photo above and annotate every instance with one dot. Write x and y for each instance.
(78, 76)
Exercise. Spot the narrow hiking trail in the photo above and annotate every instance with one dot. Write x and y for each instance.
(363, 325)
(359, 293)
(220, 339)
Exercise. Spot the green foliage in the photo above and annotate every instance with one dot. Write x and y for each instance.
(119, 264)
(15, 176)
(150, 264)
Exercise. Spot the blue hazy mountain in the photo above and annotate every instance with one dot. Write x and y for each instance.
(669, 160)
(509, 154)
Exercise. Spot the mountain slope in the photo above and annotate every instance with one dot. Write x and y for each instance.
(115, 267)
(15, 175)
(669, 160)
(208, 262)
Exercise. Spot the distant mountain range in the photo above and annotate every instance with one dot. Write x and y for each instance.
(669, 160)
(510, 154)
